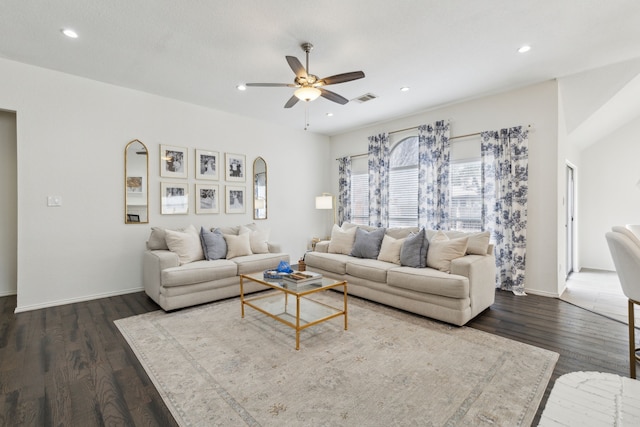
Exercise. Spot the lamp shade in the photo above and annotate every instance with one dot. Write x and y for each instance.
(307, 93)
(324, 202)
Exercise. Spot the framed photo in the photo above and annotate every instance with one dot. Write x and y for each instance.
(173, 161)
(207, 198)
(174, 198)
(235, 166)
(236, 198)
(207, 165)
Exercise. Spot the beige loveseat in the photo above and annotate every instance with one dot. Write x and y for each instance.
(458, 284)
(185, 267)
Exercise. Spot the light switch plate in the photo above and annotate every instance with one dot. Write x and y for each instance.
(54, 201)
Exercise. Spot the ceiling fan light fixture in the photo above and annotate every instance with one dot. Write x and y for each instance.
(307, 93)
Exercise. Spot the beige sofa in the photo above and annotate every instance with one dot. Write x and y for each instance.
(461, 285)
(176, 275)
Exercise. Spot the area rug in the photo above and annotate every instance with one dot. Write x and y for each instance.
(390, 367)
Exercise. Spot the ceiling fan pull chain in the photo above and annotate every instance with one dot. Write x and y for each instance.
(306, 115)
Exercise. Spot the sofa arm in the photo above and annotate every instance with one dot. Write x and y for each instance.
(322, 246)
(153, 263)
(481, 272)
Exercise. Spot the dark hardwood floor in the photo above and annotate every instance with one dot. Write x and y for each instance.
(69, 365)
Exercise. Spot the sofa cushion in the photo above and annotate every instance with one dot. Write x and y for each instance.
(335, 263)
(342, 240)
(259, 262)
(186, 245)
(443, 250)
(198, 272)
(157, 239)
(369, 269)
(414, 250)
(390, 249)
(237, 245)
(213, 244)
(401, 232)
(478, 241)
(367, 243)
(430, 281)
(257, 239)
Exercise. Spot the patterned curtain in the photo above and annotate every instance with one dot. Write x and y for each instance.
(344, 190)
(379, 180)
(505, 174)
(433, 175)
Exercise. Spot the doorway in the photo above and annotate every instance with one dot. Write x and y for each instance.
(570, 219)
(9, 205)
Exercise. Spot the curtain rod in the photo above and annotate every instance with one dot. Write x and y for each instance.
(416, 127)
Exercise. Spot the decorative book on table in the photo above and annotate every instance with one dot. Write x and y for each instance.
(299, 277)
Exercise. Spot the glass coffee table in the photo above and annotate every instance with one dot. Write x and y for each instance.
(293, 304)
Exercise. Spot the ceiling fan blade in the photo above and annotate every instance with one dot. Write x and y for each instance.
(291, 102)
(296, 66)
(332, 96)
(271, 84)
(341, 78)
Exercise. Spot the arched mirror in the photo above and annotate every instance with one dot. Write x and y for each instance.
(259, 189)
(136, 183)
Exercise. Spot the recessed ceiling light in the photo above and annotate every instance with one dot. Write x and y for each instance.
(525, 48)
(69, 33)
(404, 88)
(329, 114)
(241, 87)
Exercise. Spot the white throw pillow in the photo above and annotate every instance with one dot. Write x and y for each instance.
(442, 251)
(390, 249)
(342, 240)
(257, 239)
(237, 245)
(186, 244)
(478, 243)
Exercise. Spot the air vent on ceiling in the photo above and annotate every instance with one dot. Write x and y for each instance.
(366, 97)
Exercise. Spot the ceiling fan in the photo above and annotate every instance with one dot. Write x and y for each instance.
(309, 86)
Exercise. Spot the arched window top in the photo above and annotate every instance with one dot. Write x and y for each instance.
(405, 153)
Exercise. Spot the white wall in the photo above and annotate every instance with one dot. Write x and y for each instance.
(536, 105)
(608, 194)
(8, 209)
(71, 135)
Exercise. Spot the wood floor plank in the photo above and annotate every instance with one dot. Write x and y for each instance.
(69, 365)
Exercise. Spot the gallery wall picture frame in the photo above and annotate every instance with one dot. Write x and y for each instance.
(207, 198)
(235, 167)
(173, 161)
(236, 199)
(207, 165)
(174, 198)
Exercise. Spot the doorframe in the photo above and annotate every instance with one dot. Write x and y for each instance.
(571, 218)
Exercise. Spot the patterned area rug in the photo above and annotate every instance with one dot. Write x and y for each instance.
(389, 368)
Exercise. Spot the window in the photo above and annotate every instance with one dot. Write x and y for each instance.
(466, 197)
(403, 183)
(464, 180)
(360, 198)
(360, 190)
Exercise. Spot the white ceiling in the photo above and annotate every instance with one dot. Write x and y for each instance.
(199, 50)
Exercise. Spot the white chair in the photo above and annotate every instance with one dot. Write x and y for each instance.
(625, 251)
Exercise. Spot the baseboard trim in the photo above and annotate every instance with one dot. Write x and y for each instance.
(48, 304)
(8, 294)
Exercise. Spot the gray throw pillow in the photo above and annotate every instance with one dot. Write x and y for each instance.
(367, 243)
(213, 244)
(414, 250)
